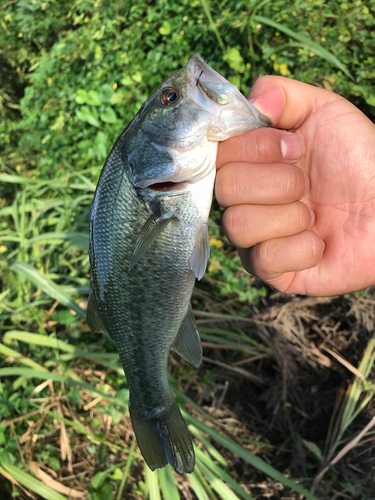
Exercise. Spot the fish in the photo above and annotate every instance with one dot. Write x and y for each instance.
(149, 243)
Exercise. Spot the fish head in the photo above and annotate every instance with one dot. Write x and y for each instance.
(174, 136)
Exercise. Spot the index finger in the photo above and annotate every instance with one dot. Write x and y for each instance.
(263, 145)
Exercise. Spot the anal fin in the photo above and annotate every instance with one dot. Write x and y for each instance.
(94, 319)
(188, 343)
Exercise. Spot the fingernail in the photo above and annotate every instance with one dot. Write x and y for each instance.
(312, 218)
(291, 147)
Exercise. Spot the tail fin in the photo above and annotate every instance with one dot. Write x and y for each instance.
(163, 438)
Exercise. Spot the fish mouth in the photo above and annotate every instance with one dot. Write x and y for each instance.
(168, 186)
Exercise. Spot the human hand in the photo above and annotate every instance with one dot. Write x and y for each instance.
(270, 180)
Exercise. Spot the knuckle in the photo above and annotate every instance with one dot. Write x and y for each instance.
(314, 247)
(295, 183)
(227, 185)
(301, 216)
(234, 223)
(266, 255)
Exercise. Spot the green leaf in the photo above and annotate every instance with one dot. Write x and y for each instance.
(93, 98)
(85, 114)
(48, 286)
(117, 474)
(105, 492)
(313, 46)
(106, 92)
(370, 100)
(314, 448)
(97, 480)
(32, 483)
(3, 439)
(137, 77)
(108, 116)
(165, 28)
(54, 463)
(234, 59)
(127, 81)
(75, 396)
(81, 96)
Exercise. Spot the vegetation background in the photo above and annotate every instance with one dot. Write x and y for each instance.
(283, 404)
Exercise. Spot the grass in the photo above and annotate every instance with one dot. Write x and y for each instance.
(47, 281)
(212, 477)
(261, 408)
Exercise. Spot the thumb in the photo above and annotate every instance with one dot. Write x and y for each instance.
(288, 102)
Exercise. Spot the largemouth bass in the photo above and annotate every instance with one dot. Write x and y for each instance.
(149, 241)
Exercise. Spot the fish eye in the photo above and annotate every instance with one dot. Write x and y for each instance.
(169, 96)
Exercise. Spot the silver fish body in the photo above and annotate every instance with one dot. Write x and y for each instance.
(149, 241)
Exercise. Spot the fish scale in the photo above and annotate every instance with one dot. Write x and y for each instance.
(149, 241)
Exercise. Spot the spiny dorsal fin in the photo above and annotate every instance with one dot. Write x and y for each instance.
(156, 223)
(94, 319)
(188, 343)
(199, 257)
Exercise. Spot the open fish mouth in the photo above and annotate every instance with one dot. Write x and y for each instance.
(168, 186)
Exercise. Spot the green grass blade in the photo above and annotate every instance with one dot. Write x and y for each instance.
(152, 483)
(215, 454)
(16, 179)
(248, 457)
(37, 339)
(197, 486)
(217, 484)
(32, 483)
(313, 46)
(168, 484)
(126, 470)
(212, 23)
(48, 286)
(76, 239)
(221, 473)
(7, 351)
(358, 387)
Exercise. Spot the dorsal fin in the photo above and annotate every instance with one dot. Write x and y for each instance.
(188, 343)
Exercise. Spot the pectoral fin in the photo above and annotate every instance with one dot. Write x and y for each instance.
(94, 319)
(188, 343)
(199, 257)
(150, 231)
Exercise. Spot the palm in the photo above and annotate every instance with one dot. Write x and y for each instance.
(340, 165)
